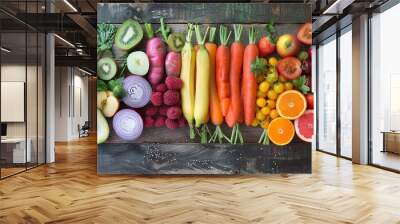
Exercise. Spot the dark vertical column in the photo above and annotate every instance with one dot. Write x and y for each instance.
(338, 95)
(316, 97)
(26, 86)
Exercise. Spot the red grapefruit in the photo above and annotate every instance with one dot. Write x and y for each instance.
(304, 126)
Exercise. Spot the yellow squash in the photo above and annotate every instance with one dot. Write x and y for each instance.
(188, 55)
(202, 80)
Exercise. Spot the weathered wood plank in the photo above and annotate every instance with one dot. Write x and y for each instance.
(181, 135)
(184, 159)
(215, 13)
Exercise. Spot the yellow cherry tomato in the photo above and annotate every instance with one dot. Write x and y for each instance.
(261, 94)
(265, 110)
(264, 86)
(265, 124)
(261, 102)
(273, 61)
(273, 114)
(260, 116)
(279, 87)
(271, 104)
(272, 95)
(282, 79)
(254, 123)
(288, 85)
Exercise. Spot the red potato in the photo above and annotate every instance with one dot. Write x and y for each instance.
(173, 64)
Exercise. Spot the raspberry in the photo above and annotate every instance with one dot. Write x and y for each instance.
(161, 87)
(163, 110)
(160, 121)
(148, 122)
(173, 83)
(182, 122)
(156, 98)
(174, 112)
(171, 124)
(151, 111)
(171, 97)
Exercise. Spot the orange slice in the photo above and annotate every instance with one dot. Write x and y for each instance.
(291, 104)
(281, 131)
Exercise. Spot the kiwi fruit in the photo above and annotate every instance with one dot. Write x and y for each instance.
(106, 68)
(128, 35)
(176, 41)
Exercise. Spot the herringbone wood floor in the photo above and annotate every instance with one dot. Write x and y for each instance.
(69, 191)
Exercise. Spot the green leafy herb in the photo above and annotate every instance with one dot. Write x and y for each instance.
(300, 84)
(105, 36)
(259, 66)
(101, 85)
(116, 86)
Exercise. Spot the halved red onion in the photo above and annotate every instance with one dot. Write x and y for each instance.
(128, 124)
(138, 91)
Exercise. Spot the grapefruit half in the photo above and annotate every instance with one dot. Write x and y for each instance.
(304, 126)
(291, 104)
(281, 131)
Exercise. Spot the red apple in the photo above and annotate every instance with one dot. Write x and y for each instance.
(287, 45)
(266, 46)
(310, 101)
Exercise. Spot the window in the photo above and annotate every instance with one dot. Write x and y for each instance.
(385, 89)
(346, 92)
(327, 96)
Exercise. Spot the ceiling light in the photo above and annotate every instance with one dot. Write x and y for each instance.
(64, 40)
(70, 5)
(5, 50)
(84, 71)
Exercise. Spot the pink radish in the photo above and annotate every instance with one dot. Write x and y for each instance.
(173, 63)
(156, 51)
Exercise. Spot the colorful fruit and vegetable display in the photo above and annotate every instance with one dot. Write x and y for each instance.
(166, 81)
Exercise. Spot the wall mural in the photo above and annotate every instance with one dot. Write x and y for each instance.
(184, 89)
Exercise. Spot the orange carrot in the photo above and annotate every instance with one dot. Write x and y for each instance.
(222, 70)
(237, 50)
(215, 106)
(249, 79)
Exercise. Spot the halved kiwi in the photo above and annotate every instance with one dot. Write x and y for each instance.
(128, 35)
(106, 68)
(176, 41)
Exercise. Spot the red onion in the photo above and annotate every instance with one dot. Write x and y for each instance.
(128, 124)
(138, 91)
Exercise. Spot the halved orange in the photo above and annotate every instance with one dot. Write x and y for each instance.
(281, 131)
(291, 104)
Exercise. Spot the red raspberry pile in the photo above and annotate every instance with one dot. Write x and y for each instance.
(166, 105)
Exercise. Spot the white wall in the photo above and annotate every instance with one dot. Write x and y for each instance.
(33, 127)
(70, 83)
